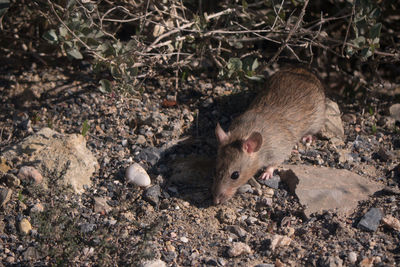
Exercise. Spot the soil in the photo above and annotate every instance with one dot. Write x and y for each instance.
(160, 126)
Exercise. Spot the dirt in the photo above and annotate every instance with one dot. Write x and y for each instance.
(183, 228)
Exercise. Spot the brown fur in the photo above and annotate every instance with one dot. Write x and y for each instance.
(292, 106)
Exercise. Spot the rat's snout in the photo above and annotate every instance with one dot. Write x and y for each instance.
(221, 196)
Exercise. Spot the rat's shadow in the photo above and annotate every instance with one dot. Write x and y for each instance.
(188, 165)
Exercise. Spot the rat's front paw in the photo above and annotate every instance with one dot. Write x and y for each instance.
(267, 174)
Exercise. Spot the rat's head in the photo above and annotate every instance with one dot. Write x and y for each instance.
(237, 162)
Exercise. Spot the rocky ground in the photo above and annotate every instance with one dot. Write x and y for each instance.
(169, 132)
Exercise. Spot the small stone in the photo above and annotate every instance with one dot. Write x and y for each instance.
(11, 180)
(29, 172)
(237, 230)
(153, 194)
(154, 263)
(251, 220)
(272, 183)
(37, 208)
(395, 111)
(137, 175)
(269, 192)
(385, 155)
(24, 226)
(246, 188)
(352, 257)
(10, 259)
(391, 222)
(30, 254)
(265, 265)
(124, 142)
(140, 140)
(367, 262)
(184, 239)
(371, 220)
(101, 206)
(349, 118)
(151, 155)
(332, 261)
(239, 248)
(87, 227)
(5, 196)
(227, 216)
(280, 241)
(4, 167)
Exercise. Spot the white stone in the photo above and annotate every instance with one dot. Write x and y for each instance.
(239, 248)
(135, 174)
(154, 263)
(352, 257)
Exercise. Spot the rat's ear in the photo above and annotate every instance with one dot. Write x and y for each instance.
(253, 143)
(222, 136)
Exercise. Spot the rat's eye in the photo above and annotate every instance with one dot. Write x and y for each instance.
(235, 175)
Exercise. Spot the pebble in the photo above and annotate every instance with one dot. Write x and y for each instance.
(367, 262)
(279, 241)
(385, 155)
(135, 174)
(239, 248)
(38, 207)
(352, 257)
(395, 111)
(269, 192)
(101, 206)
(184, 239)
(265, 265)
(11, 180)
(87, 227)
(246, 188)
(371, 220)
(237, 230)
(151, 155)
(5, 196)
(272, 183)
(30, 254)
(124, 142)
(24, 226)
(251, 220)
(391, 222)
(29, 172)
(140, 140)
(349, 118)
(153, 194)
(154, 263)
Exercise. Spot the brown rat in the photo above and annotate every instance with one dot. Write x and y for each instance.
(291, 107)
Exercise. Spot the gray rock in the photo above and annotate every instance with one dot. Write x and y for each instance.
(385, 155)
(272, 183)
(87, 227)
(352, 257)
(332, 261)
(322, 188)
(265, 265)
(237, 230)
(153, 194)
(11, 180)
(154, 263)
(246, 188)
(371, 220)
(395, 111)
(150, 155)
(30, 254)
(62, 155)
(101, 206)
(5, 195)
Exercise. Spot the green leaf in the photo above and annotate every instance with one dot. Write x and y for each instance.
(105, 86)
(257, 78)
(359, 42)
(234, 64)
(74, 53)
(255, 64)
(85, 127)
(63, 31)
(375, 31)
(51, 36)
